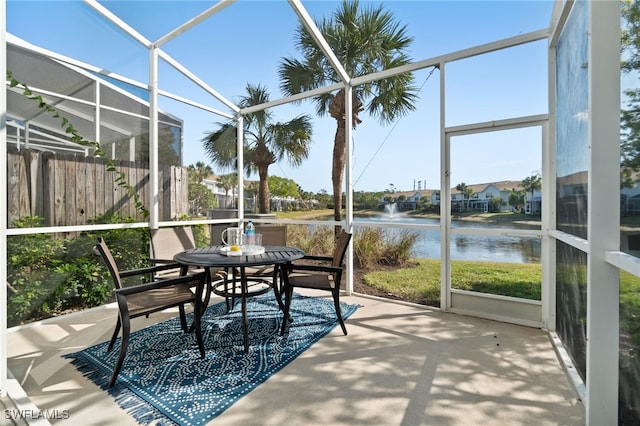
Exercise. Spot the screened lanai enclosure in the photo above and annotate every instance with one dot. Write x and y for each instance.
(108, 104)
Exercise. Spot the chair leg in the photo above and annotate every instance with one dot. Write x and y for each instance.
(115, 335)
(208, 291)
(197, 328)
(200, 308)
(288, 292)
(183, 318)
(336, 303)
(126, 328)
(204, 298)
(278, 289)
(281, 288)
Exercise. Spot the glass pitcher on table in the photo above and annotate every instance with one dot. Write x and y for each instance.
(232, 236)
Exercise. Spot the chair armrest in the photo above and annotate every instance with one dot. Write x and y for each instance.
(150, 269)
(315, 268)
(195, 278)
(162, 261)
(314, 257)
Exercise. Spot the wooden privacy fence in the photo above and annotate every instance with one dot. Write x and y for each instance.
(70, 189)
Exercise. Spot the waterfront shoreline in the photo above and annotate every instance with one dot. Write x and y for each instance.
(503, 217)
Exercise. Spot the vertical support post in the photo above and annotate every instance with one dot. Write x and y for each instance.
(96, 117)
(603, 213)
(26, 133)
(348, 117)
(154, 202)
(132, 148)
(548, 244)
(4, 372)
(548, 207)
(240, 165)
(445, 202)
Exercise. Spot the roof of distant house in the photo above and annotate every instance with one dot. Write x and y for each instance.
(505, 185)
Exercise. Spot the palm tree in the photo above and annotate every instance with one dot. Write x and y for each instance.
(253, 189)
(531, 184)
(365, 41)
(200, 171)
(466, 191)
(266, 142)
(227, 182)
(200, 197)
(516, 198)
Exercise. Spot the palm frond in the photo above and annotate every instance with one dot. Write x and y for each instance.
(365, 40)
(221, 145)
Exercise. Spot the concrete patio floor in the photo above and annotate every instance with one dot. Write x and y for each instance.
(400, 365)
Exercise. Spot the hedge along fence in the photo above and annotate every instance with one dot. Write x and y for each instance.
(69, 189)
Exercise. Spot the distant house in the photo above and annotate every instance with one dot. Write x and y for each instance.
(630, 201)
(229, 199)
(223, 198)
(483, 195)
(412, 200)
(572, 189)
(480, 201)
(409, 200)
(533, 205)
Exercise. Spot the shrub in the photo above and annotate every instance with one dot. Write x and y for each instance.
(313, 240)
(130, 247)
(201, 235)
(33, 289)
(398, 247)
(48, 273)
(373, 246)
(368, 244)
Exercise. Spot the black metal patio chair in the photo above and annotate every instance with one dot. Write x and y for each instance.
(144, 299)
(325, 276)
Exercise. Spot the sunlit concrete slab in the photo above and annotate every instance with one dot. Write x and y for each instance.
(400, 365)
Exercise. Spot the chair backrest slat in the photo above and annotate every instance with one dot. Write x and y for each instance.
(341, 248)
(167, 242)
(272, 235)
(107, 257)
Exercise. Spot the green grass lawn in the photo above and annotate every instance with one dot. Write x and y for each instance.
(422, 282)
(630, 305)
(305, 215)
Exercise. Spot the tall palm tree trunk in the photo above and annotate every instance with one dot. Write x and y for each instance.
(339, 159)
(263, 189)
(337, 110)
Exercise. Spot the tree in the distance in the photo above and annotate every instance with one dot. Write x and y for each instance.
(365, 41)
(467, 193)
(531, 184)
(228, 182)
(200, 197)
(630, 114)
(265, 142)
(517, 199)
(200, 171)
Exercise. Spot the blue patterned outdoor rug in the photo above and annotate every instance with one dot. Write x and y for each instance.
(164, 381)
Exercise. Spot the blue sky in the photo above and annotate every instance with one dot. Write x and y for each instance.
(246, 41)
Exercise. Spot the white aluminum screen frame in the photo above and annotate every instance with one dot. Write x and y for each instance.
(605, 254)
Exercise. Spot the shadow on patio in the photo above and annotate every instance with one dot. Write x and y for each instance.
(400, 365)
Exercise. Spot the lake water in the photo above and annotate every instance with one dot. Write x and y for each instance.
(469, 247)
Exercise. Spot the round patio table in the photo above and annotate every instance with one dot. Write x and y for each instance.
(216, 257)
